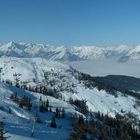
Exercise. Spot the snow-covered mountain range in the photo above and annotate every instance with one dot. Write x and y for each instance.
(121, 53)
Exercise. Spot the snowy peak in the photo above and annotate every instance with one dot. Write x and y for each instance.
(12, 45)
(132, 55)
(12, 49)
(135, 53)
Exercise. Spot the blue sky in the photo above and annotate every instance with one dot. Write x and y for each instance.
(71, 22)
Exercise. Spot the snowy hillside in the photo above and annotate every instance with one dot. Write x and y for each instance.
(63, 81)
(36, 80)
(121, 53)
(28, 68)
(19, 121)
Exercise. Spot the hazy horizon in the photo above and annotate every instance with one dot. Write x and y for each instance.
(65, 45)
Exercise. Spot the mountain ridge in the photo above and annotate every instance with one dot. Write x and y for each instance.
(121, 53)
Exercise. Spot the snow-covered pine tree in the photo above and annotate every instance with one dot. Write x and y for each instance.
(2, 132)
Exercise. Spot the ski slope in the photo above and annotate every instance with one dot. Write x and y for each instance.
(66, 84)
(19, 122)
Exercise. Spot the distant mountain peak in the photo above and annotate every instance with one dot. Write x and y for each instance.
(11, 43)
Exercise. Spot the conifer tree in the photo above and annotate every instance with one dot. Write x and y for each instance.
(63, 113)
(2, 132)
(53, 123)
